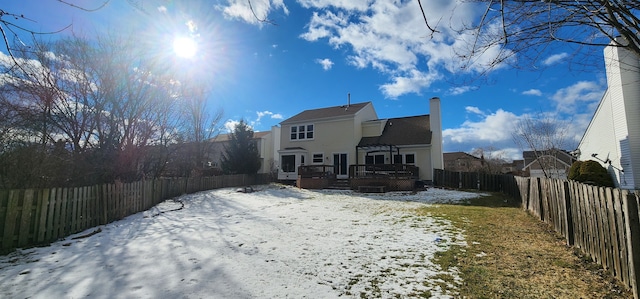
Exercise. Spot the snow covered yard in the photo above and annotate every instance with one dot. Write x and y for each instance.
(277, 242)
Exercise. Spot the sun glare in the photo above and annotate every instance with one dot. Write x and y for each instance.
(185, 47)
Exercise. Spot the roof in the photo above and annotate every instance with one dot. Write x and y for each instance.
(457, 156)
(227, 137)
(561, 155)
(402, 131)
(329, 112)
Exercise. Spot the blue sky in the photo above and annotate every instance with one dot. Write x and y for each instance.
(315, 52)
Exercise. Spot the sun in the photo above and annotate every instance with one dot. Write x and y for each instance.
(185, 47)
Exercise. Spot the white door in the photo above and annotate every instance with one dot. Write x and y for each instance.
(342, 166)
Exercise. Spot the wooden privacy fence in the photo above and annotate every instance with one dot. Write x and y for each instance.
(477, 181)
(603, 223)
(31, 217)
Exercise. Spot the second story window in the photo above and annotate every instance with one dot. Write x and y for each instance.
(302, 132)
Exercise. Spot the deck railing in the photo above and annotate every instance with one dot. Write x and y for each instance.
(317, 171)
(394, 171)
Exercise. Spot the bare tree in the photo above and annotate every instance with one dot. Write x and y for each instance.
(199, 126)
(491, 158)
(529, 28)
(545, 137)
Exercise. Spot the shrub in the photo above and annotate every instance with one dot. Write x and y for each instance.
(590, 172)
(574, 171)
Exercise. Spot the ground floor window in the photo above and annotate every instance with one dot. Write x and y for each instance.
(374, 159)
(288, 163)
(404, 159)
(318, 158)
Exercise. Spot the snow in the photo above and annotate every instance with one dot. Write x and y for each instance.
(276, 242)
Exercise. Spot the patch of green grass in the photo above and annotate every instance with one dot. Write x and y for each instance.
(511, 254)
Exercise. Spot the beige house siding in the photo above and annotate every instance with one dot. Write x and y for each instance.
(343, 133)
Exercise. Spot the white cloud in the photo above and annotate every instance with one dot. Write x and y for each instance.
(413, 83)
(272, 115)
(474, 110)
(350, 5)
(495, 127)
(240, 9)
(460, 90)
(325, 63)
(571, 98)
(532, 92)
(553, 59)
(230, 125)
(392, 38)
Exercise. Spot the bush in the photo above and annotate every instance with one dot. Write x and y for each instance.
(574, 171)
(590, 172)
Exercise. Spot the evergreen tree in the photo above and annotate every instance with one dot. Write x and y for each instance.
(241, 155)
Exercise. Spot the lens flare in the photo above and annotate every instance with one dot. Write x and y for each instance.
(185, 47)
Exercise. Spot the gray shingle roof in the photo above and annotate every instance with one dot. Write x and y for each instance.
(561, 155)
(227, 137)
(402, 131)
(458, 155)
(328, 112)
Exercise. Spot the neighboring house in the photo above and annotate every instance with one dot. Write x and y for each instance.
(352, 134)
(613, 135)
(514, 167)
(548, 163)
(264, 142)
(461, 162)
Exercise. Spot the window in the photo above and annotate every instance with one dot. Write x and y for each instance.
(309, 131)
(288, 163)
(302, 132)
(318, 158)
(374, 159)
(409, 159)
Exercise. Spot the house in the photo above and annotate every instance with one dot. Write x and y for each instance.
(343, 137)
(553, 163)
(613, 135)
(264, 142)
(461, 162)
(515, 167)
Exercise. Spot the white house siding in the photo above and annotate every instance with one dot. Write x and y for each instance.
(435, 123)
(614, 131)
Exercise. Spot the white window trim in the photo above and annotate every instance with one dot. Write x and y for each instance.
(404, 158)
(313, 158)
(415, 158)
(305, 126)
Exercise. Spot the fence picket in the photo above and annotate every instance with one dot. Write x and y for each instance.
(25, 218)
(632, 230)
(43, 205)
(10, 220)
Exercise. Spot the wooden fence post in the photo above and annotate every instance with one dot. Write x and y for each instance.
(633, 234)
(567, 205)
